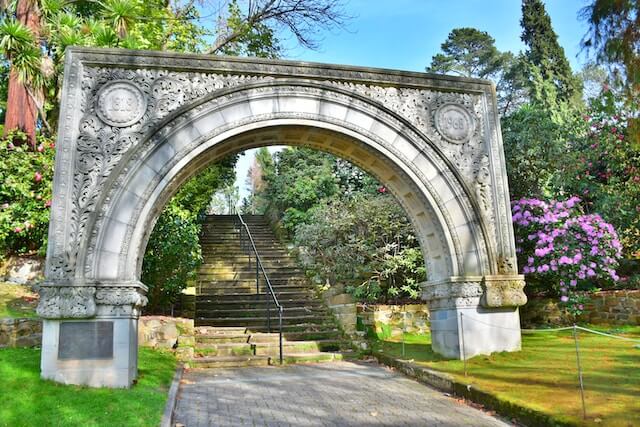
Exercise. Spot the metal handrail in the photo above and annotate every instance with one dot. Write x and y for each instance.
(260, 268)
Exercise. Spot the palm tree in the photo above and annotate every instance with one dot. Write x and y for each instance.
(19, 42)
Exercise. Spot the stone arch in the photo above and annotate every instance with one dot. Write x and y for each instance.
(137, 134)
(444, 215)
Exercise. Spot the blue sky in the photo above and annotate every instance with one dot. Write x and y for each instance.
(405, 34)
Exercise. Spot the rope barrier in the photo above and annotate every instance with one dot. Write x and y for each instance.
(567, 328)
(608, 335)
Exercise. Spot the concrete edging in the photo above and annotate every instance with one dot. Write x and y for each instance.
(448, 384)
(170, 407)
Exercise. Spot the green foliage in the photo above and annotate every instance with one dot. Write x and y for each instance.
(349, 230)
(469, 52)
(603, 166)
(304, 177)
(172, 256)
(25, 194)
(132, 24)
(252, 38)
(536, 140)
(613, 33)
(545, 53)
(366, 242)
(173, 252)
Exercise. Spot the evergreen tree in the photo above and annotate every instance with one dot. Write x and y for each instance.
(545, 53)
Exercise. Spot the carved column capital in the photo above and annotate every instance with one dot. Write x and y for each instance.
(86, 299)
(503, 291)
(488, 291)
(455, 292)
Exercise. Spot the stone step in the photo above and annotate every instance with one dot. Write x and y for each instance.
(279, 292)
(273, 274)
(251, 281)
(246, 270)
(262, 245)
(242, 262)
(209, 262)
(213, 288)
(258, 312)
(223, 338)
(220, 330)
(212, 304)
(326, 334)
(242, 298)
(229, 361)
(301, 327)
(260, 321)
(225, 349)
(300, 347)
(293, 358)
(239, 256)
(217, 234)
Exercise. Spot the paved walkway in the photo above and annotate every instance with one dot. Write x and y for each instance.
(331, 394)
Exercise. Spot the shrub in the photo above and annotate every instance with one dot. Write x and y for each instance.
(172, 256)
(604, 167)
(26, 175)
(366, 242)
(563, 250)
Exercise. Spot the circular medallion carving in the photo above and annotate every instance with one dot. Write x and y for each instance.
(120, 103)
(454, 123)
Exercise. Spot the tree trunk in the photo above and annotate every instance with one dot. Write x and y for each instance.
(22, 112)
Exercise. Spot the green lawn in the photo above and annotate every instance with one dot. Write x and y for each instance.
(29, 401)
(17, 301)
(543, 376)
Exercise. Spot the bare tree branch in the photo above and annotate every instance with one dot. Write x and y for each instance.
(305, 19)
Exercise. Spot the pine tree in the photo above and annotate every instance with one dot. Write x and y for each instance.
(544, 51)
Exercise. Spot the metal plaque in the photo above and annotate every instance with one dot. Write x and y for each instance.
(85, 340)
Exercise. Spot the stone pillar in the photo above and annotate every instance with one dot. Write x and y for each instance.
(90, 332)
(479, 314)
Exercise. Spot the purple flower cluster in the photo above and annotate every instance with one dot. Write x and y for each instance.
(569, 249)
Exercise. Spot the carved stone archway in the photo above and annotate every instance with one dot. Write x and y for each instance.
(135, 125)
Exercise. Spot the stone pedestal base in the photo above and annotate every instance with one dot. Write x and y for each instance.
(475, 315)
(478, 330)
(98, 352)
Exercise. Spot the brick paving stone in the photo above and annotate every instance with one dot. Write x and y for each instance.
(340, 394)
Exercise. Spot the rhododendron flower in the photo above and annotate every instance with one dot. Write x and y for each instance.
(37, 177)
(18, 229)
(40, 148)
(568, 250)
(47, 204)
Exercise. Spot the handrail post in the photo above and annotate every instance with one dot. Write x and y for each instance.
(257, 277)
(280, 331)
(269, 314)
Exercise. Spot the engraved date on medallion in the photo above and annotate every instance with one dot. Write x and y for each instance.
(454, 123)
(120, 104)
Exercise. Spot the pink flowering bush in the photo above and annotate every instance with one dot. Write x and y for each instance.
(25, 194)
(563, 249)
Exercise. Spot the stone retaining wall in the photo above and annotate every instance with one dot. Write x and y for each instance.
(393, 319)
(163, 331)
(22, 269)
(606, 307)
(20, 333)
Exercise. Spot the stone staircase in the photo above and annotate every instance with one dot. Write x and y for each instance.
(231, 318)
